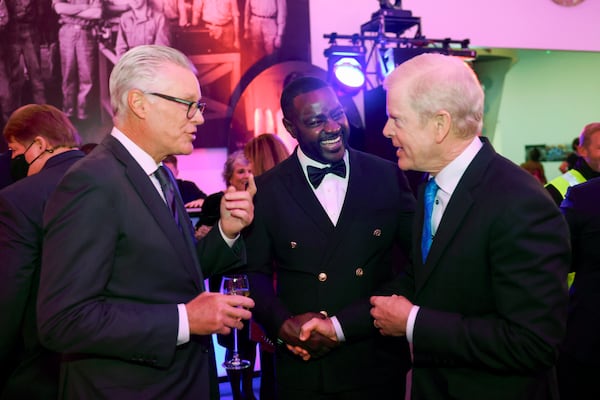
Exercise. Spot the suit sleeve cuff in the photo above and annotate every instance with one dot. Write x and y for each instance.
(183, 333)
(410, 323)
(229, 242)
(338, 329)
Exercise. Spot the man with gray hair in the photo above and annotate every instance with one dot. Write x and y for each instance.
(122, 293)
(484, 302)
(484, 306)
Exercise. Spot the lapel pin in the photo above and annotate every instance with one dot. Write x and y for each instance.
(293, 245)
(377, 232)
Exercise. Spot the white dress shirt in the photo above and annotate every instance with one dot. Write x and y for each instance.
(447, 180)
(332, 190)
(331, 194)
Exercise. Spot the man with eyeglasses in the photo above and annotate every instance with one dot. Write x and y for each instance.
(192, 106)
(122, 292)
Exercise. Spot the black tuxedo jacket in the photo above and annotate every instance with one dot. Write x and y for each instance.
(492, 293)
(115, 265)
(29, 370)
(582, 212)
(322, 267)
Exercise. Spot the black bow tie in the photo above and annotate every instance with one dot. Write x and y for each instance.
(316, 175)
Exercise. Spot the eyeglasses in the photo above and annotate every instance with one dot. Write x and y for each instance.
(193, 106)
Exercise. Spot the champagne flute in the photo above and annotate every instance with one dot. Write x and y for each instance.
(235, 285)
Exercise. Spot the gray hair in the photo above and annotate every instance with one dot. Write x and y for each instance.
(137, 69)
(235, 157)
(438, 82)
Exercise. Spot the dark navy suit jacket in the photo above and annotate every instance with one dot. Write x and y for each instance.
(30, 370)
(115, 265)
(582, 211)
(492, 292)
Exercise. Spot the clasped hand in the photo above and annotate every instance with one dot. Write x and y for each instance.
(390, 314)
(308, 335)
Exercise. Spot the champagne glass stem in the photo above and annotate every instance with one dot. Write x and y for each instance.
(235, 285)
(236, 355)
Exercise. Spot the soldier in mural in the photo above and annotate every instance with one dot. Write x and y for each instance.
(5, 106)
(168, 8)
(23, 35)
(264, 25)
(141, 25)
(78, 38)
(78, 54)
(221, 18)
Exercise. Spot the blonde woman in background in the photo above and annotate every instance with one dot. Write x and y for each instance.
(264, 152)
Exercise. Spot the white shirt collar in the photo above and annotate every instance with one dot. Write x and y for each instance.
(144, 159)
(447, 179)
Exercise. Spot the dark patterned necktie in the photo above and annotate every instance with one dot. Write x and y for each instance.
(431, 189)
(168, 188)
(167, 184)
(316, 175)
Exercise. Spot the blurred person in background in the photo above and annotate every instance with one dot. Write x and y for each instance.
(5, 176)
(586, 167)
(534, 166)
(579, 361)
(264, 152)
(44, 145)
(191, 194)
(572, 157)
(236, 173)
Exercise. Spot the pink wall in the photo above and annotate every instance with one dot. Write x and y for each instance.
(523, 24)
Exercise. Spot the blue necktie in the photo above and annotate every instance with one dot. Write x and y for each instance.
(431, 189)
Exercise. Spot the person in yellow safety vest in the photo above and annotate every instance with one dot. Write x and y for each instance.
(586, 168)
(562, 183)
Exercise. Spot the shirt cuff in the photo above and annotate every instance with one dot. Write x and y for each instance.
(183, 334)
(338, 329)
(229, 242)
(410, 323)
